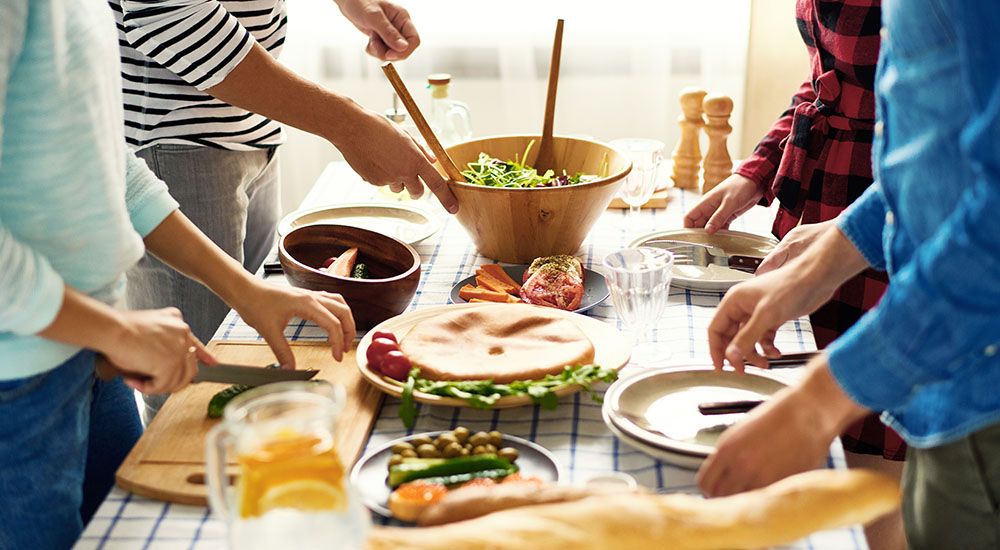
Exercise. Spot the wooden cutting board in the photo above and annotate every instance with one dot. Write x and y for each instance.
(659, 199)
(168, 462)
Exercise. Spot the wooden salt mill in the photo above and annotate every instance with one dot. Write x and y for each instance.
(687, 154)
(718, 163)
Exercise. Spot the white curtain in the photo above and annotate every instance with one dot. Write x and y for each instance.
(623, 63)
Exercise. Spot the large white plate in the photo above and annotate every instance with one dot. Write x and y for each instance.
(403, 222)
(612, 351)
(668, 399)
(712, 278)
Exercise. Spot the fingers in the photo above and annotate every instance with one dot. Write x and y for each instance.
(710, 473)
(397, 187)
(377, 48)
(721, 218)
(204, 355)
(338, 307)
(439, 186)
(275, 338)
(699, 215)
(314, 310)
(414, 187)
(767, 344)
(722, 329)
(401, 21)
(386, 30)
(743, 345)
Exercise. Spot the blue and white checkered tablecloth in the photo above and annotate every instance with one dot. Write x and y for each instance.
(574, 432)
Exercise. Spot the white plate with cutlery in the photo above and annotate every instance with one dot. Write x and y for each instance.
(659, 409)
(714, 277)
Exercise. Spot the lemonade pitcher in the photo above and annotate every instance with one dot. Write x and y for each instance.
(291, 489)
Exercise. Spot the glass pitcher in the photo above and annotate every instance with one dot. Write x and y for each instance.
(291, 489)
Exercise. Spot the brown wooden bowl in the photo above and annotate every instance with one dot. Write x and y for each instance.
(518, 225)
(394, 266)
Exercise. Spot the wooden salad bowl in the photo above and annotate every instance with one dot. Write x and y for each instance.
(515, 225)
(394, 266)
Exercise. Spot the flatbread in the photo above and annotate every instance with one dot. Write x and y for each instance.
(499, 342)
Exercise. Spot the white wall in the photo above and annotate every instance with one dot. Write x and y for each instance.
(623, 63)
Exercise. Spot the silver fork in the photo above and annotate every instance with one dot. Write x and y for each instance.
(686, 253)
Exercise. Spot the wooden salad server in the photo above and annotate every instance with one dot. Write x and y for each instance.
(546, 156)
(418, 119)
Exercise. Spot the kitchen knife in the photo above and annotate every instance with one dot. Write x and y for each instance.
(728, 407)
(703, 255)
(249, 376)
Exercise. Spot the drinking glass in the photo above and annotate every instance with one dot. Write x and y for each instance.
(639, 279)
(646, 156)
(291, 488)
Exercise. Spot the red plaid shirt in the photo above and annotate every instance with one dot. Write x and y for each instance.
(816, 160)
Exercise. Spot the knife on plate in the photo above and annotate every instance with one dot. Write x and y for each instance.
(222, 373)
(703, 255)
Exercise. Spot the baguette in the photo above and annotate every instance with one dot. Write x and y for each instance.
(471, 502)
(779, 514)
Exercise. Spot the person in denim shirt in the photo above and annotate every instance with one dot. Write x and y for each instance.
(927, 355)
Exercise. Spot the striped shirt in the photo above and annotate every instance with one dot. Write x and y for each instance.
(173, 50)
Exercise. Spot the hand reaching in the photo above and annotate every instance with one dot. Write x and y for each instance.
(268, 308)
(391, 33)
(723, 204)
(793, 245)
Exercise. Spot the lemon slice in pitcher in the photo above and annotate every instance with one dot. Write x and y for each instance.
(304, 494)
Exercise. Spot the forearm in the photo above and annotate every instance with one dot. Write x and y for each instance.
(85, 322)
(837, 410)
(829, 262)
(180, 244)
(264, 86)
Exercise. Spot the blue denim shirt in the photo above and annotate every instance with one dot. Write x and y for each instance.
(928, 354)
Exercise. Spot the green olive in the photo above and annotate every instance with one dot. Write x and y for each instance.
(461, 434)
(428, 450)
(491, 449)
(400, 447)
(452, 450)
(421, 440)
(408, 453)
(444, 439)
(510, 453)
(479, 450)
(496, 438)
(479, 438)
(396, 459)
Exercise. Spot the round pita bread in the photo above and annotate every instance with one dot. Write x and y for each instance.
(499, 342)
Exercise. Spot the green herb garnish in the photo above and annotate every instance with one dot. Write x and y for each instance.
(493, 172)
(483, 394)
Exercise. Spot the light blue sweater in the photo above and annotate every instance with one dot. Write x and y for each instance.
(74, 202)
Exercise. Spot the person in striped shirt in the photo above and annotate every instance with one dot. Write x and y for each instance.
(204, 96)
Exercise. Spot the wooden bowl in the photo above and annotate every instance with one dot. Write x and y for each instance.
(518, 225)
(394, 266)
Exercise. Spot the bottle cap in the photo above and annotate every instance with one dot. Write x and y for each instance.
(438, 79)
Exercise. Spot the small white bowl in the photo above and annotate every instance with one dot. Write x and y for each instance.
(619, 479)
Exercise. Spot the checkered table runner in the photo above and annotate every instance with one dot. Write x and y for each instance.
(574, 432)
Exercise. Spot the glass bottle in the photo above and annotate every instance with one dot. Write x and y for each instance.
(448, 118)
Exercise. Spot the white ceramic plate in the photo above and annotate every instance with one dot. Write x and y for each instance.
(668, 399)
(712, 278)
(403, 222)
(612, 350)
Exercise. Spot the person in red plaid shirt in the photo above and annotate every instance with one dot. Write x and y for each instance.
(816, 160)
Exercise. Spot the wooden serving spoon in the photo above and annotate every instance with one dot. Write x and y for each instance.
(450, 169)
(546, 156)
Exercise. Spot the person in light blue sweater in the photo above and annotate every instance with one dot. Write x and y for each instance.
(76, 209)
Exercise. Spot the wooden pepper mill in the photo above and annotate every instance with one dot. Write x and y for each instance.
(718, 163)
(687, 154)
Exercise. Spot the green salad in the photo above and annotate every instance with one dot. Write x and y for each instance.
(493, 172)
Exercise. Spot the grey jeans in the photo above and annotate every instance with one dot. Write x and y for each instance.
(951, 494)
(233, 197)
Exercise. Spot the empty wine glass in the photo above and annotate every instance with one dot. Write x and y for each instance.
(639, 279)
(646, 156)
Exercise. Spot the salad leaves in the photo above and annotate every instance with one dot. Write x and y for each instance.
(493, 172)
(483, 394)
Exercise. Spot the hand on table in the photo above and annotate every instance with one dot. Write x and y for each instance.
(268, 308)
(156, 351)
(724, 203)
(792, 245)
(382, 154)
(391, 33)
